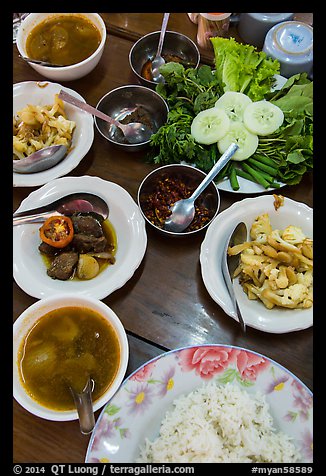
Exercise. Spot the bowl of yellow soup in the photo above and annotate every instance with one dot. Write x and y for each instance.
(61, 341)
(74, 42)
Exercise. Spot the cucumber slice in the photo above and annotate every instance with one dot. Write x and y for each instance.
(263, 117)
(234, 104)
(210, 125)
(246, 140)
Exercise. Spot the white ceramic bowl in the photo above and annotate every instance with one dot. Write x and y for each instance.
(64, 73)
(291, 43)
(253, 27)
(41, 94)
(25, 322)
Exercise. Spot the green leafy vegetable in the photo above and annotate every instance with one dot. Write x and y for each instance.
(243, 68)
(287, 153)
(187, 92)
(292, 145)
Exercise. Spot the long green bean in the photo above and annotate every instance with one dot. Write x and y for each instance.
(256, 175)
(265, 160)
(265, 168)
(233, 178)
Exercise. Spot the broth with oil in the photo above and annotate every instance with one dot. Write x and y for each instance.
(63, 348)
(63, 40)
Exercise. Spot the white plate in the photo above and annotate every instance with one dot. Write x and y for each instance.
(137, 409)
(255, 314)
(30, 92)
(28, 266)
(246, 186)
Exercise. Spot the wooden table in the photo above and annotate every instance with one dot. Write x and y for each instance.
(187, 315)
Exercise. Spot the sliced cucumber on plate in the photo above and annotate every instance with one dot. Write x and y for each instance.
(210, 125)
(263, 117)
(246, 140)
(234, 104)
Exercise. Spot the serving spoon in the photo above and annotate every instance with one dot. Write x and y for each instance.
(84, 406)
(67, 205)
(42, 63)
(40, 160)
(159, 60)
(230, 263)
(135, 132)
(183, 211)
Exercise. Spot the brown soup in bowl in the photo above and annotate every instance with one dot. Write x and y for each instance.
(63, 348)
(63, 40)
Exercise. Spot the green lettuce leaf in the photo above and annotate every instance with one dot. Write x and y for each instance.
(242, 68)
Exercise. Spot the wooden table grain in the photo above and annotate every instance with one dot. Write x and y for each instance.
(187, 315)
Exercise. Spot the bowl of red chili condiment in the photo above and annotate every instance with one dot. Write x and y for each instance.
(162, 187)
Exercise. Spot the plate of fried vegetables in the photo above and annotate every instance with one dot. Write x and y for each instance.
(274, 280)
(40, 120)
(244, 100)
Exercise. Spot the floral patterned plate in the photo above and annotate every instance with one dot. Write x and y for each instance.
(137, 409)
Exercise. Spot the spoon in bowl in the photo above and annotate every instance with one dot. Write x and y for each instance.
(159, 60)
(67, 205)
(230, 264)
(40, 160)
(84, 405)
(135, 132)
(183, 211)
(42, 63)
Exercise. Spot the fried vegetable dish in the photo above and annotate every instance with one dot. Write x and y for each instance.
(276, 267)
(36, 127)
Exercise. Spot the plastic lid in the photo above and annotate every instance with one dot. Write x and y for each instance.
(215, 16)
(293, 37)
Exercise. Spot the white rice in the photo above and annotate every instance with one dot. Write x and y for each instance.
(219, 424)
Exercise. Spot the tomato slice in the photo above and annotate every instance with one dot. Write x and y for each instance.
(57, 231)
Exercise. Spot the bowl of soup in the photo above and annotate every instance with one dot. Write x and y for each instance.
(74, 42)
(61, 341)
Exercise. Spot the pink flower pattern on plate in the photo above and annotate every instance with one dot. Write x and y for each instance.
(302, 399)
(144, 373)
(206, 361)
(155, 383)
(250, 364)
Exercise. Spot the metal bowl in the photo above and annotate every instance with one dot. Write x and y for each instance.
(117, 104)
(174, 44)
(192, 177)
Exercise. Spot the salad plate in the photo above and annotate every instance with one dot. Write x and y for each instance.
(40, 94)
(255, 314)
(136, 411)
(28, 266)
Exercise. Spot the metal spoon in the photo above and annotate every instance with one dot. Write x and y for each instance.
(230, 263)
(67, 205)
(183, 211)
(135, 132)
(84, 405)
(40, 160)
(42, 63)
(159, 60)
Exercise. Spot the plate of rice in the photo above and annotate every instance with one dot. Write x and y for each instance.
(206, 404)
